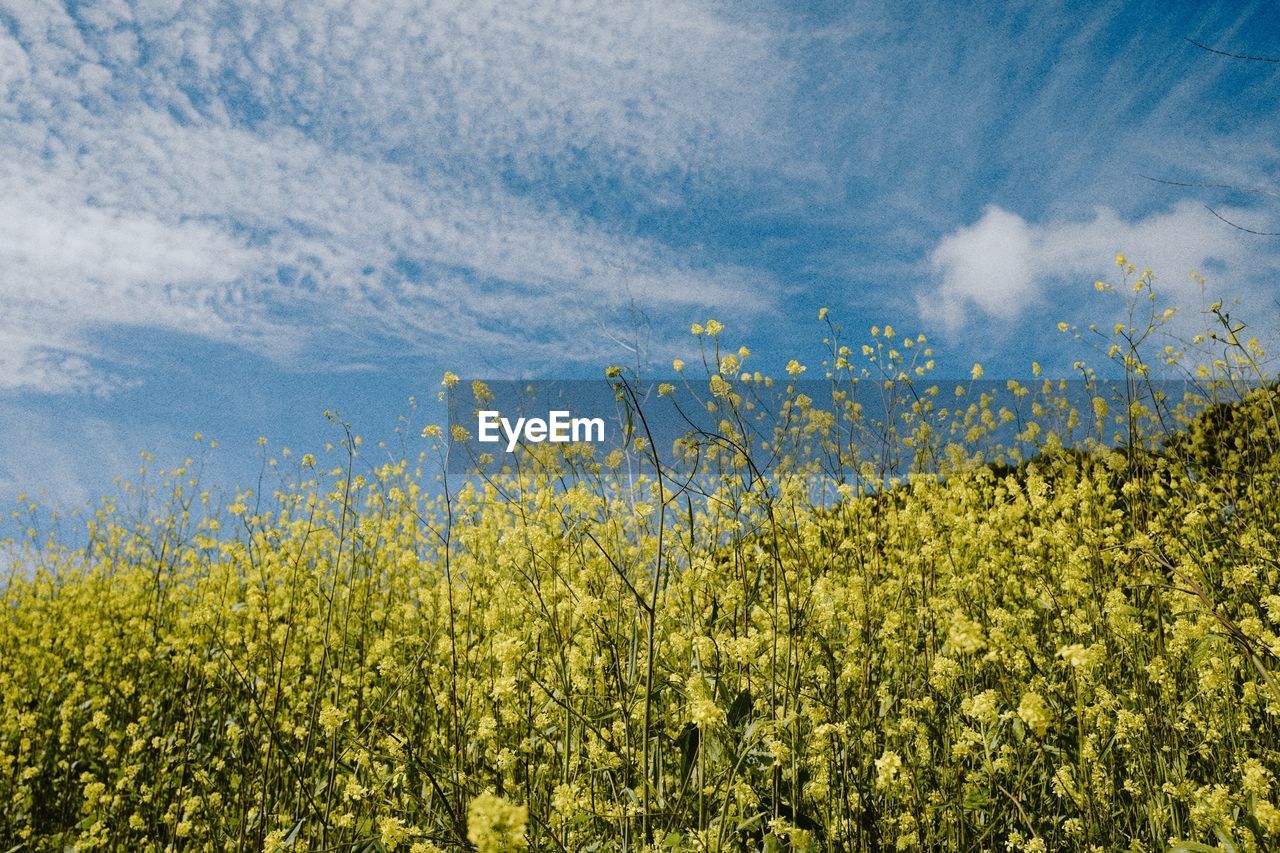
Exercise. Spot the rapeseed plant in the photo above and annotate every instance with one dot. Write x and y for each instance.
(837, 630)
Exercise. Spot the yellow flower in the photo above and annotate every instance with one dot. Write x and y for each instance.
(704, 713)
(564, 800)
(966, 636)
(392, 832)
(1254, 778)
(1035, 712)
(1075, 655)
(495, 825)
(976, 373)
(450, 379)
(331, 718)
(985, 707)
(546, 625)
(888, 767)
(1268, 816)
(795, 368)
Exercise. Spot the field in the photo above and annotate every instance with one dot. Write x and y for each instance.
(750, 642)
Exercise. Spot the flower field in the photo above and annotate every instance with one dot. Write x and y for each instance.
(752, 641)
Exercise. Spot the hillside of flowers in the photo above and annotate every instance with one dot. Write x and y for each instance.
(1027, 625)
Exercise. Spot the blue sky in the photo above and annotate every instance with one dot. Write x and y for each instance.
(227, 217)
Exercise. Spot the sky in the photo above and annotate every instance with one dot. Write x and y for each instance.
(227, 217)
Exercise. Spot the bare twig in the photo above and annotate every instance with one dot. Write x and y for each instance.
(1241, 227)
(1246, 57)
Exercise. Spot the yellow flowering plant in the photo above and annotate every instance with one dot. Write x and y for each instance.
(850, 627)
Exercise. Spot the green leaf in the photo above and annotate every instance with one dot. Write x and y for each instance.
(1191, 847)
(740, 709)
(293, 833)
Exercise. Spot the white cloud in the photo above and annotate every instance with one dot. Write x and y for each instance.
(1001, 265)
(330, 177)
(67, 266)
(990, 264)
